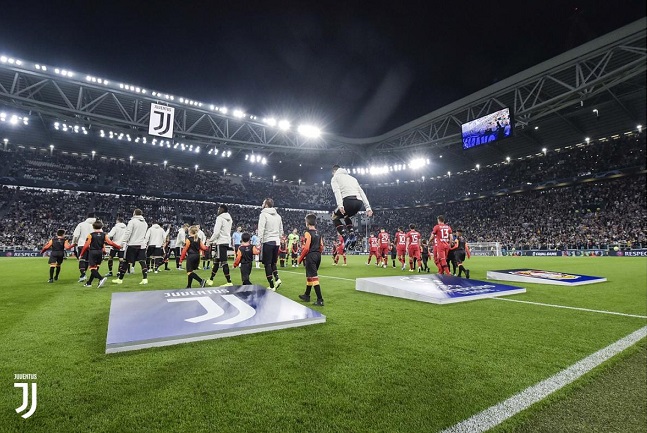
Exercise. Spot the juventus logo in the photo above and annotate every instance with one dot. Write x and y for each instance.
(25, 399)
(214, 310)
(161, 120)
(165, 123)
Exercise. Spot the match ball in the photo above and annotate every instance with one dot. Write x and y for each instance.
(616, 248)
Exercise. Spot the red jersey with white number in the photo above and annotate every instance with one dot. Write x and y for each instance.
(340, 245)
(413, 238)
(384, 239)
(400, 240)
(374, 242)
(442, 233)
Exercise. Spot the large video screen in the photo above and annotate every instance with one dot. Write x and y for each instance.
(493, 127)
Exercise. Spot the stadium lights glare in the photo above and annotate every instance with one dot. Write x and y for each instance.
(270, 121)
(507, 158)
(417, 163)
(639, 128)
(536, 128)
(223, 110)
(588, 140)
(309, 131)
(544, 150)
(478, 166)
(284, 125)
(239, 113)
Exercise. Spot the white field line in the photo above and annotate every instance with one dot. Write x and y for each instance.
(516, 300)
(500, 412)
(572, 308)
(325, 276)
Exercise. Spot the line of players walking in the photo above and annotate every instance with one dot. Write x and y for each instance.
(447, 248)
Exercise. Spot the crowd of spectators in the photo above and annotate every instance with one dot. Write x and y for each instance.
(482, 202)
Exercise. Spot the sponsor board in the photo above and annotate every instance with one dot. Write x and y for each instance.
(434, 288)
(629, 253)
(20, 253)
(164, 317)
(538, 276)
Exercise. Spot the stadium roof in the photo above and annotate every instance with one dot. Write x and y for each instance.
(594, 90)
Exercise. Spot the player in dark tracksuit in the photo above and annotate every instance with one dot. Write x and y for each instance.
(193, 247)
(58, 245)
(462, 249)
(94, 245)
(245, 257)
(425, 255)
(311, 253)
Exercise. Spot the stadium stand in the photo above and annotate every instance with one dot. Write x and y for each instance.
(583, 196)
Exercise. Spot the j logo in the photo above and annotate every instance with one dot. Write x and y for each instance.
(214, 310)
(25, 399)
(161, 120)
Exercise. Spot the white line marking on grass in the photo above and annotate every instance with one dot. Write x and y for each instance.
(325, 276)
(500, 412)
(572, 308)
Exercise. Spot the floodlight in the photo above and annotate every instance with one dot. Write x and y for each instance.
(284, 125)
(270, 121)
(223, 110)
(264, 161)
(507, 158)
(229, 153)
(544, 150)
(239, 113)
(3, 59)
(587, 139)
(639, 128)
(309, 131)
(478, 166)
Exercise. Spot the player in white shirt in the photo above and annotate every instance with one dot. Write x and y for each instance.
(81, 232)
(349, 197)
(117, 236)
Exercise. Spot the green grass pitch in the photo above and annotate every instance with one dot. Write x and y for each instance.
(379, 364)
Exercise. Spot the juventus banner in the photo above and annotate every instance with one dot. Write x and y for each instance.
(161, 120)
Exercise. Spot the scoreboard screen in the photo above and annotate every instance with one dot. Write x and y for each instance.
(493, 127)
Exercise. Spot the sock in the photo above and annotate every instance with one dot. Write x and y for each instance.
(270, 280)
(189, 279)
(95, 274)
(307, 292)
(144, 269)
(225, 270)
(197, 278)
(318, 292)
(51, 273)
(58, 271)
(214, 270)
(109, 265)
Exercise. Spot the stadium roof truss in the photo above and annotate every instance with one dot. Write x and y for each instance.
(571, 78)
(613, 64)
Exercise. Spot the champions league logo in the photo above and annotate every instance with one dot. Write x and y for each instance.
(546, 274)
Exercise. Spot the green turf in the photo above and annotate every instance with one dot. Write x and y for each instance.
(377, 364)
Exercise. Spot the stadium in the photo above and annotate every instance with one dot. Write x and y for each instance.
(560, 187)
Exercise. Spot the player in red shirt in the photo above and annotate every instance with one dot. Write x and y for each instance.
(385, 239)
(441, 236)
(413, 247)
(339, 249)
(373, 246)
(401, 245)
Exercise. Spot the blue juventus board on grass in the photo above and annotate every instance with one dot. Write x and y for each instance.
(537, 276)
(165, 317)
(434, 288)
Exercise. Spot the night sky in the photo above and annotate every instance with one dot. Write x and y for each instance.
(356, 69)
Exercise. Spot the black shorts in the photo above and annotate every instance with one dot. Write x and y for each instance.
(155, 252)
(460, 256)
(150, 250)
(394, 254)
(95, 257)
(220, 252)
(295, 255)
(135, 254)
(352, 205)
(451, 255)
(118, 253)
(282, 255)
(312, 260)
(56, 258)
(269, 253)
(83, 257)
(192, 262)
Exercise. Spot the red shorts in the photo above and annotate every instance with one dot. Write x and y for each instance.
(401, 251)
(414, 252)
(384, 251)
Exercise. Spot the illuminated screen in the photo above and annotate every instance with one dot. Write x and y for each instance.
(493, 127)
